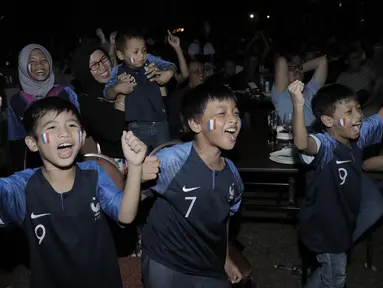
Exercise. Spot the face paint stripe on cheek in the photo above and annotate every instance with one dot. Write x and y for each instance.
(79, 136)
(45, 138)
(211, 124)
(342, 122)
(132, 60)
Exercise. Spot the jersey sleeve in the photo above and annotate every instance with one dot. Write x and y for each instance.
(169, 167)
(113, 80)
(12, 197)
(161, 64)
(108, 194)
(235, 203)
(371, 131)
(72, 96)
(325, 146)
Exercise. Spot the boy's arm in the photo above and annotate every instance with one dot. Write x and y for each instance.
(373, 164)
(304, 143)
(169, 167)
(162, 64)
(109, 91)
(12, 197)
(123, 206)
(371, 131)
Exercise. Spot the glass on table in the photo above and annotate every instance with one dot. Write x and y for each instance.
(287, 123)
(272, 121)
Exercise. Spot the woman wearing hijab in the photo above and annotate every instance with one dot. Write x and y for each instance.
(37, 81)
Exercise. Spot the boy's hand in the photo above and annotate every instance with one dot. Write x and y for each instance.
(122, 78)
(235, 276)
(296, 93)
(100, 34)
(134, 149)
(152, 71)
(174, 41)
(125, 84)
(163, 77)
(112, 38)
(150, 168)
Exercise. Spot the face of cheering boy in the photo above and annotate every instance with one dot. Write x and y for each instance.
(219, 125)
(58, 138)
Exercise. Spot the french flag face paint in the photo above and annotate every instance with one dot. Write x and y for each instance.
(79, 136)
(45, 138)
(342, 122)
(132, 60)
(211, 125)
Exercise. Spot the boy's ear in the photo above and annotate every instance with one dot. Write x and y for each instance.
(195, 126)
(31, 143)
(83, 138)
(327, 121)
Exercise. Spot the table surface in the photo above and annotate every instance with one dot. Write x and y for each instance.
(251, 152)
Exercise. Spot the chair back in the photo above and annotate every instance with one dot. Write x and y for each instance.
(91, 151)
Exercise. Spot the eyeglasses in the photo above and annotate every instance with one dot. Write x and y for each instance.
(104, 60)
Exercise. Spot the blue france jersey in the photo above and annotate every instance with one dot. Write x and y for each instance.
(187, 225)
(336, 191)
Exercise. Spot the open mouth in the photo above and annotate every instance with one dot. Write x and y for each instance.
(232, 133)
(65, 150)
(356, 127)
(40, 72)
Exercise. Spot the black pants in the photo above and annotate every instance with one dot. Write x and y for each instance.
(156, 275)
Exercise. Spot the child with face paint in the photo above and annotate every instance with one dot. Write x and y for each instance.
(143, 105)
(60, 205)
(199, 189)
(336, 190)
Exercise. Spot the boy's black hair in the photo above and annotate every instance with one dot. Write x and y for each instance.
(127, 34)
(195, 101)
(39, 108)
(325, 101)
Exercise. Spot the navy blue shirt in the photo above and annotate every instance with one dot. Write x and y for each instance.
(145, 103)
(68, 236)
(329, 214)
(187, 225)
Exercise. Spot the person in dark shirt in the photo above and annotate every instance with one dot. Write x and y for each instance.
(144, 108)
(340, 200)
(185, 238)
(60, 205)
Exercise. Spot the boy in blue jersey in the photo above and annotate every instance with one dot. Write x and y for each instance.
(185, 238)
(60, 205)
(330, 212)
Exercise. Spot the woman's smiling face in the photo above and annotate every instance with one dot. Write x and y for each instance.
(100, 66)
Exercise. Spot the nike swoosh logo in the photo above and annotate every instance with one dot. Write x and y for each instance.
(189, 189)
(341, 162)
(34, 216)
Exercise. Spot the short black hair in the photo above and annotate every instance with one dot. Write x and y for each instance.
(130, 33)
(195, 101)
(39, 108)
(325, 101)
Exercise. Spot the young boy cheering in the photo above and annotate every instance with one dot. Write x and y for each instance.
(329, 214)
(60, 205)
(185, 238)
